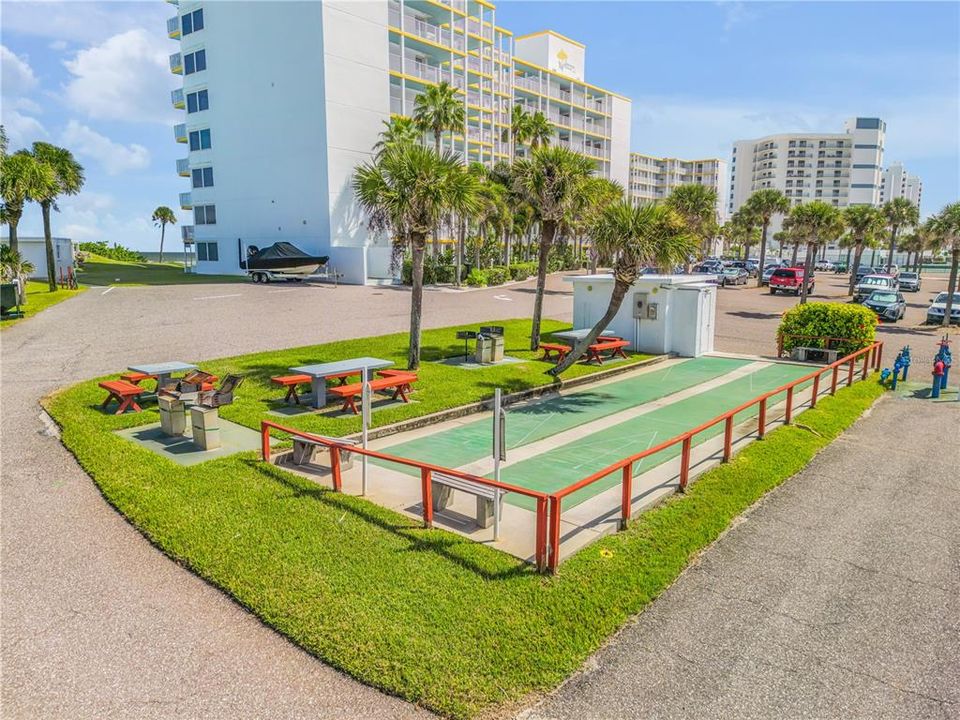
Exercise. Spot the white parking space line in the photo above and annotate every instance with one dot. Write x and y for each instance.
(271, 292)
(217, 297)
(503, 297)
(107, 290)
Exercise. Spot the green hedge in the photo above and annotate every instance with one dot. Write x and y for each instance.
(521, 271)
(114, 252)
(856, 324)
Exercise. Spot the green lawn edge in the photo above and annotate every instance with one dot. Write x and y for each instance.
(102, 271)
(425, 614)
(39, 298)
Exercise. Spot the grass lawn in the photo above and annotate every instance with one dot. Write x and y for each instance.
(99, 270)
(425, 614)
(40, 298)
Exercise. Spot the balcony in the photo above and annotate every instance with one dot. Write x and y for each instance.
(176, 97)
(475, 27)
(528, 83)
(478, 135)
(183, 167)
(180, 132)
(173, 27)
(424, 71)
(186, 202)
(476, 65)
(176, 64)
(475, 98)
(186, 233)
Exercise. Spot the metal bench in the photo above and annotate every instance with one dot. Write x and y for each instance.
(304, 450)
(802, 354)
(487, 496)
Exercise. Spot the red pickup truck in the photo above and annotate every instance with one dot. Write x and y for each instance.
(789, 280)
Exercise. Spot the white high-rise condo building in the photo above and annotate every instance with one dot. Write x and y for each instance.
(896, 182)
(284, 99)
(838, 168)
(652, 178)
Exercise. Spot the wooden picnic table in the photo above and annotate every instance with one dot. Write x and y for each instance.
(163, 371)
(572, 336)
(363, 366)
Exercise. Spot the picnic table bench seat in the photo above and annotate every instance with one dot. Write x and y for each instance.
(290, 382)
(135, 378)
(125, 393)
(399, 383)
(554, 352)
(615, 348)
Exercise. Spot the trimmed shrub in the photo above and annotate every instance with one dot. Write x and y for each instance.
(856, 325)
(497, 275)
(477, 278)
(433, 272)
(521, 271)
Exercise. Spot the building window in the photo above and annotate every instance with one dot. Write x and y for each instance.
(866, 147)
(200, 139)
(862, 185)
(191, 22)
(204, 214)
(868, 123)
(202, 177)
(194, 62)
(197, 101)
(208, 251)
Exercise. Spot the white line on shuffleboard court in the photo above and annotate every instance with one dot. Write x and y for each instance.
(217, 297)
(107, 290)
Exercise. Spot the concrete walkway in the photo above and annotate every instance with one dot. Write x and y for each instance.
(96, 623)
(838, 596)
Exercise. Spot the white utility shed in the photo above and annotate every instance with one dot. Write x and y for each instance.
(34, 250)
(660, 314)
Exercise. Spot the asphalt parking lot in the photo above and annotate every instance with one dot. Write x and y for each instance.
(747, 316)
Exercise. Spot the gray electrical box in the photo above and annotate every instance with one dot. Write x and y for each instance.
(640, 305)
(652, 309)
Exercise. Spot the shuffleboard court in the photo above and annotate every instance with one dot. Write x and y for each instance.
(561, 466)
(464, 444)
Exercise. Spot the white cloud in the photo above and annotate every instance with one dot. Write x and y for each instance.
(123, 78)
(21, 129)
(83, 22)
(17, 75)
(58, 45)
(114, 157)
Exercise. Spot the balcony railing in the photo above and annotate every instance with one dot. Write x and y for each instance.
(173, 27)
(186, 233)
(183, 167)
(176, 64)
(176, 97)
(475, 98)
(476, 65)
(479, 135)
(186, 202)
(180, 132)
(528, 83)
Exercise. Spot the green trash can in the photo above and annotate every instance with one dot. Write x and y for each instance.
(9, 302)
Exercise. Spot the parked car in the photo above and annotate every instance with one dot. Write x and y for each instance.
(887, 304)
(767, 272)
(733, 275)
(824, 265)
(909, 281)
(790, 280)
(939, 306)
(873, 282)
(864, 270)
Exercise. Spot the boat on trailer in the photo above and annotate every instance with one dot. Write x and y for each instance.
(280, 261)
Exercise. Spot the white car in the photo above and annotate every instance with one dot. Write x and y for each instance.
(824, 265)
(939, 306)
(874, 282)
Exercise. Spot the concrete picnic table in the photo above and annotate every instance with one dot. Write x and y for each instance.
(320, 372)
(162, 371)
(573, 336)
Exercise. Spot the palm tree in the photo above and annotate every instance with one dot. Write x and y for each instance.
(398, 131)
(817, 223)
(697, 205)
(519, 131)
(438, 110)
(864, 222)
(22, 179)
(765, 204)
(945, 227)
(549, 181)
(14, 267)
(407, 192)
(68, 179)
(539, 130)
(898, 212)
(741, 230)
(637, 236)
(161, 217)
(596, 194)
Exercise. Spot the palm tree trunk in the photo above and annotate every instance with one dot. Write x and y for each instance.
(48, 243)
(807, 269)
(506, 247)
(856, 266)
(14, 240)
(793, 260)
(952, 284)
(849, 250)
(893, 243)
(620, 288)
(548, 230)
(163, 231)
(461, 232)
(763, 252)
(416, 301)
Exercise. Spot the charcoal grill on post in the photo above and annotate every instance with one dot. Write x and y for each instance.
(466, 336)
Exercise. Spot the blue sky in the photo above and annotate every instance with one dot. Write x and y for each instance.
(94, 77)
